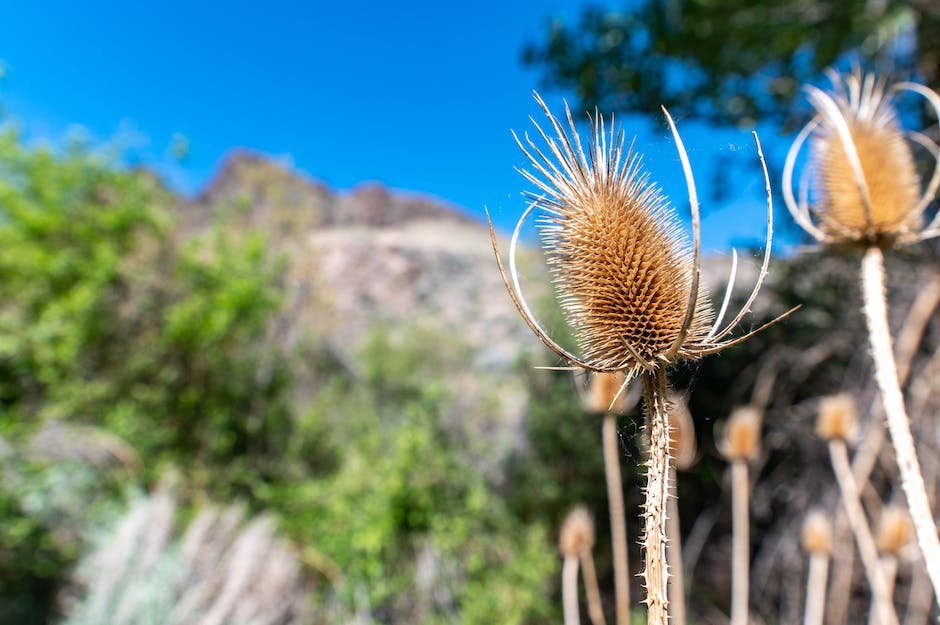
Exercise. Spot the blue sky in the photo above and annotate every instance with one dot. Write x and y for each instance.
(419, 96)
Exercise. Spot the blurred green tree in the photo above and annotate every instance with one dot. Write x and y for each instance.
(730, 61)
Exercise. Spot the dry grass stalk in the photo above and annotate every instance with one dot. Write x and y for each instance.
(628, 284)
(740, 444)
(867, 196)
(817, 541)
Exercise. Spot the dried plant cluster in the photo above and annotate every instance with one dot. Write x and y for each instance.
(628, 284)
(627, 281)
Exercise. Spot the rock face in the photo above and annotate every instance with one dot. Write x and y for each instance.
(370, 255)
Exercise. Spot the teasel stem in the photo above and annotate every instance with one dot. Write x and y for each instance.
(569, 590)
(839, 455)
(618, 521)
(740, 548)
(677, 575)
(816, 588)
(656, 572)
(886, 374)
(889, 568)
(591, 589)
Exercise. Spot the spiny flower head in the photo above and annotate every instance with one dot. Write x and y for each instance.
(861, 170)
(817, 533)
(626, 277)
(577, 532)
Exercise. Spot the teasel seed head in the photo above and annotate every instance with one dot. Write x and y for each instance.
(861, 170)
(817, 533)
(740, 439)
(607, 393)
(626, 277)
(577, 532)
(837, 417)
(895, 530)
(682, 447)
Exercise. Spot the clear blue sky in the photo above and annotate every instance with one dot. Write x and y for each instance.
(420, 96)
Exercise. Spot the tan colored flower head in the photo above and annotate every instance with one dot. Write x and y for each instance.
(626, 277)
(861, 171)
(577, 533)
(682, 447)
(817, 533)
(895, 530)
(741, 434)
(837, 417)
(607, 393)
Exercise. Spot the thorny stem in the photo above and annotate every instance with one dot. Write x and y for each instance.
(816, 588)
(591, 589)
(886, 374)
(740, 558)
(677, 576)
(656, 572)
(618, 522)
(863, 537)
(569, 590)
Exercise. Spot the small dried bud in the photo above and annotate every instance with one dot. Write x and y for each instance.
(817, 533)
(577, 533)
(604, 388)
(741, 439)
(837, 417)
(682, 446)
(894, 530)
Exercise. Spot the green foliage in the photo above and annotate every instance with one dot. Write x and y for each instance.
(108, 318)
(727, 60)
(406, 504)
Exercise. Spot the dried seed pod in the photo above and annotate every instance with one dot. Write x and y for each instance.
(863, 178)
(836, 418)
(577, 532)
(607, 394)
(682, 445)
(626, 277)
(741, 434)
(894, 530)
(817, 533)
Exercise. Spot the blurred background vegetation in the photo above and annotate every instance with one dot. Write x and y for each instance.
(163, 360)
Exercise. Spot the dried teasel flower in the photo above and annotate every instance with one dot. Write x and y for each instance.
(627, 283)
(817, 533)
(740, 436)
(626, 279)
(861, 168)
(606, 394)
(894, 530)
(866, 194)
(577, 532)
(682, 445)
(837, 417)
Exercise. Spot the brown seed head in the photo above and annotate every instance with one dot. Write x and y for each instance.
(865, 181)
(621, 264)
(682, 446)
(741, 440)
(895, 530)
(604, 388)
(577, 533)
(837, 417)
(817, 533)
